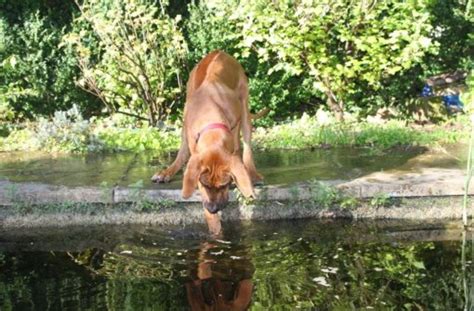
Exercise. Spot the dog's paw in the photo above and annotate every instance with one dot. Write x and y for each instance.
(160, 178)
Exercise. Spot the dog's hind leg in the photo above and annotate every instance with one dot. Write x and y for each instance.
(181, 158)
(246, 123)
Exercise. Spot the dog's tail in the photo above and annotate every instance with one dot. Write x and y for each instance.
(260, 114)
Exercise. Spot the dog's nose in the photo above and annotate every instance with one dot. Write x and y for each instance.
(213, 207)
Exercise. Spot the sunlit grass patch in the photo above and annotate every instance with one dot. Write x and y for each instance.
(69, 132)
(308, 133)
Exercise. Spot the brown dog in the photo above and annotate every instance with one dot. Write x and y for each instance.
(216, 110)
(224, 286)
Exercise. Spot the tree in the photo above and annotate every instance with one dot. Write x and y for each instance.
(336, 45)
(36, 77)
(130, 54)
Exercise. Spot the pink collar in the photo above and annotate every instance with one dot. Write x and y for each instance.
(210, 127)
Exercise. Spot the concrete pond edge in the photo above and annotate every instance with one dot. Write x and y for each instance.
(424, 195)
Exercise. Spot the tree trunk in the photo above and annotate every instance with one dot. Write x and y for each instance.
(336, 107)
(151, 113)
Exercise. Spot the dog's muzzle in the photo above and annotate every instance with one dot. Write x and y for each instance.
(214, 207)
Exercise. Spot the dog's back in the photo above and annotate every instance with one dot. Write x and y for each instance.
(215, 67)
(214, 92)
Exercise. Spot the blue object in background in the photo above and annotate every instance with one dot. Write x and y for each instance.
(453, 103)
(427, 91)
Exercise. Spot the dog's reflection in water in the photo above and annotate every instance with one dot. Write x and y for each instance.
(219, 284)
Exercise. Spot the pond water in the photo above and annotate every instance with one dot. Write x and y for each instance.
(281, 167)
(280, 265)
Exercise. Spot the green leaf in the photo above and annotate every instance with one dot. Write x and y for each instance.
(419, 265)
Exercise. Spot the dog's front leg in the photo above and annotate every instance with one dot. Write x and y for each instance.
(181, 158)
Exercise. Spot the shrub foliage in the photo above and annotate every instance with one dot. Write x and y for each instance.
(133, 56)
(135, 59)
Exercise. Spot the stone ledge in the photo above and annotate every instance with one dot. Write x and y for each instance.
(35, 193)
(425, 209)
(424, 183)
(425, 194)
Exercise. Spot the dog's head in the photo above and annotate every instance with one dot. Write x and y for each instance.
(213, 172)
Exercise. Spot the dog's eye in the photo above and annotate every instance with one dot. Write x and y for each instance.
(204, 179)
(221, 186)
(206, 185)
(225, 182)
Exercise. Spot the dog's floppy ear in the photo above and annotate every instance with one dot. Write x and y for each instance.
(241, 176)
(191, 176)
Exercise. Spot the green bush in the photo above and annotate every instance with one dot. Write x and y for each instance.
(130, 54)
(357, 57)
(337, 46)
(208, 29)
(453, 23)
(36, 77)
(67, 131)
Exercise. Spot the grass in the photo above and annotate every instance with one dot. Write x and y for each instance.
(327, 196)
(380, 200)
(307, 132)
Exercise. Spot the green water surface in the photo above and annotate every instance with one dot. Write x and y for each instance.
(280, 265)
(279, 167)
